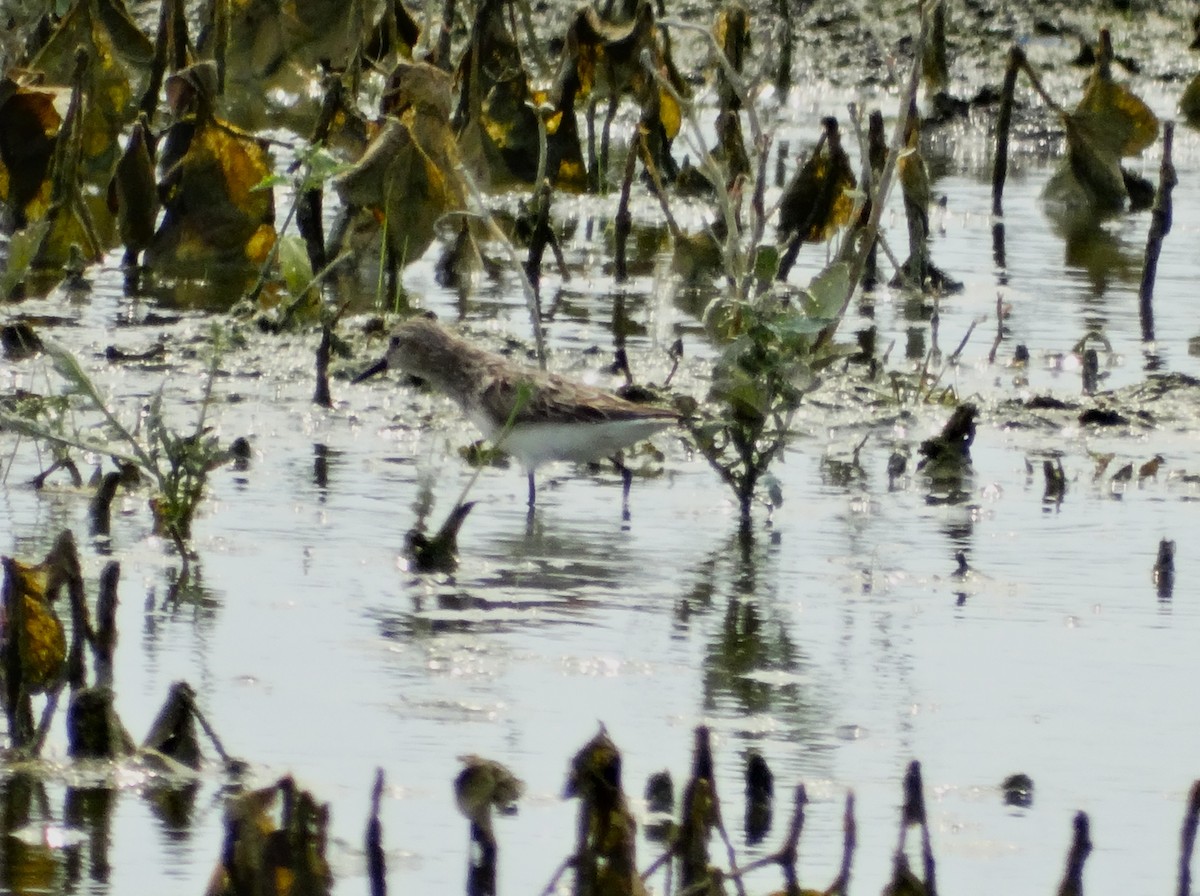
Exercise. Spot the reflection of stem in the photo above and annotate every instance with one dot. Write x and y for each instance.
(1191, 821)
(185, 565)
(950, 360)
(786, 855)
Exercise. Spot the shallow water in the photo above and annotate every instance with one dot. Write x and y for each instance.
(315, 652)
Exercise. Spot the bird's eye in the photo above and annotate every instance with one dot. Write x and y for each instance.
(395, 343)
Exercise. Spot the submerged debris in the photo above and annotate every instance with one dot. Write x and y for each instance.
(1164, 569)
(950, 451)
(1018, 790)
(760, 795)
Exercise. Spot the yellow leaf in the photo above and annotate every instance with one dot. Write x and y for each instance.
(669, 114)
(29, 123)
(1115, 117)
(118, 53)
(409, 171)
(817, 202)
(214, 214)
(285, 879)
(45, 644)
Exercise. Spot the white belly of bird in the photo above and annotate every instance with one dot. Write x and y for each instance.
(534, 444)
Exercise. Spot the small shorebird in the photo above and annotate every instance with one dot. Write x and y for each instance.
(530, 414)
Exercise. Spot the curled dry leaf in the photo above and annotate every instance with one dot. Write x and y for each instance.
(818, 202)
(216, 215)
(1109, 124)
(43, 649)
(119, 61)
(408, 176)
(29, 123)
(132, 192)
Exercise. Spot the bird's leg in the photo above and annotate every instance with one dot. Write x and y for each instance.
(532, 491)
(626, 482)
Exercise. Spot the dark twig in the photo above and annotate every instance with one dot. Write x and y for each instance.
(1016, 58)
(1188, 840)
(841, 886)
(1160, 226)
(624, 221)
(566, 865)
(106, 623)
(1081, 845)
(999, 329)
(376, 866)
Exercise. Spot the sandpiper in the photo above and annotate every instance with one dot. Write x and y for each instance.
(530, 414)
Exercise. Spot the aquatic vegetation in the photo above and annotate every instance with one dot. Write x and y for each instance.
(72, 231)
(132, 192)
(484, 786)
(819, 200)
(772, 359)
(177, 464)
(117, 57)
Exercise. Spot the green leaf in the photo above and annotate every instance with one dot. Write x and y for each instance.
(22, 247)
(789, 326)
(33, 430)
(294, 264)
(270, 182)
(827, 291)
(320, 167)
(766, 263)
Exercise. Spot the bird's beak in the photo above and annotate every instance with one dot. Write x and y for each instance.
(378, 367)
